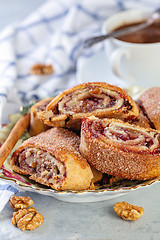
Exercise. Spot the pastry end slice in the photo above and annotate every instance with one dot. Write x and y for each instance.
(121, 149)
(52, 158)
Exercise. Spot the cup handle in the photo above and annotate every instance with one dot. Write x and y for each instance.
(115, 61)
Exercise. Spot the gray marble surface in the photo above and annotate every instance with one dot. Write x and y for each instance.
(89, 221)
(80, 221)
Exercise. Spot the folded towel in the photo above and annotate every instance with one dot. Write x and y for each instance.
(6, 191)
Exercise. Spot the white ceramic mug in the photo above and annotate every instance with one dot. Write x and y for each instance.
(136, 63)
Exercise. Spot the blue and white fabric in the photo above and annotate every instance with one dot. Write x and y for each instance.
(53, 34)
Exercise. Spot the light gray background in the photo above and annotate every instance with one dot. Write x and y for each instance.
(74, 221)
(16, 10)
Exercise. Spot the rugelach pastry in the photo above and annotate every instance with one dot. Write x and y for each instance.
(52, 158)
(149, 102)
(36, 125)
(141, 121)
(89, 99)
(121, 149)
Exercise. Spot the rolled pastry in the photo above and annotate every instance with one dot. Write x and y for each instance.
(88, 99)
(149, 102)
(36, 125)
(121, 149)
(141, 121)
(52, 158)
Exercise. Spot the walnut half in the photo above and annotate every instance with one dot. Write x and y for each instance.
(41, 69)
(27, 219)
(128, 211)
(20, 202)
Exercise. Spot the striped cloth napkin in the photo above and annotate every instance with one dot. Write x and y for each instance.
(53, 34)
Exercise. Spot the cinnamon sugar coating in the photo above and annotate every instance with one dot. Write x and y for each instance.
(141, 120)
(57, 153)
(149, 101)
(137, 157)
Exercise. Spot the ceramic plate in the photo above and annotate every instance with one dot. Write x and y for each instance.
(101, 193)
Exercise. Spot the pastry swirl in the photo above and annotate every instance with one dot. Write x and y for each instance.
(88, 99)
(121, 149)
(52, 158)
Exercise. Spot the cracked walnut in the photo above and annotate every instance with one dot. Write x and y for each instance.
(20, 202)
(27, 219)
(41, 69)
(128, 211)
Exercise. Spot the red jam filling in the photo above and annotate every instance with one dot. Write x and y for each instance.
(125, 136)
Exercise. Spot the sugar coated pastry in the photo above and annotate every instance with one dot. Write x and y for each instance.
(89, 99)
(142, 120)
(149, 102)
(121, 149)
(52, 158)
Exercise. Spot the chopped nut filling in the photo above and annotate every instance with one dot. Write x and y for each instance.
(43, 106)
(89, 99)
(42, 163)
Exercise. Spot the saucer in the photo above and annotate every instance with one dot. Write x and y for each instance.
(97, 69)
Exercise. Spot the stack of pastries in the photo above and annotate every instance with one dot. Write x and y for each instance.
(90, 130)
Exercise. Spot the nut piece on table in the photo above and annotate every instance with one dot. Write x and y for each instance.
(128, 211)
(27, 219)
(41, 69)
(17, 202)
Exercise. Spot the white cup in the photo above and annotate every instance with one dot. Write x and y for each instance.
(138, 64)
